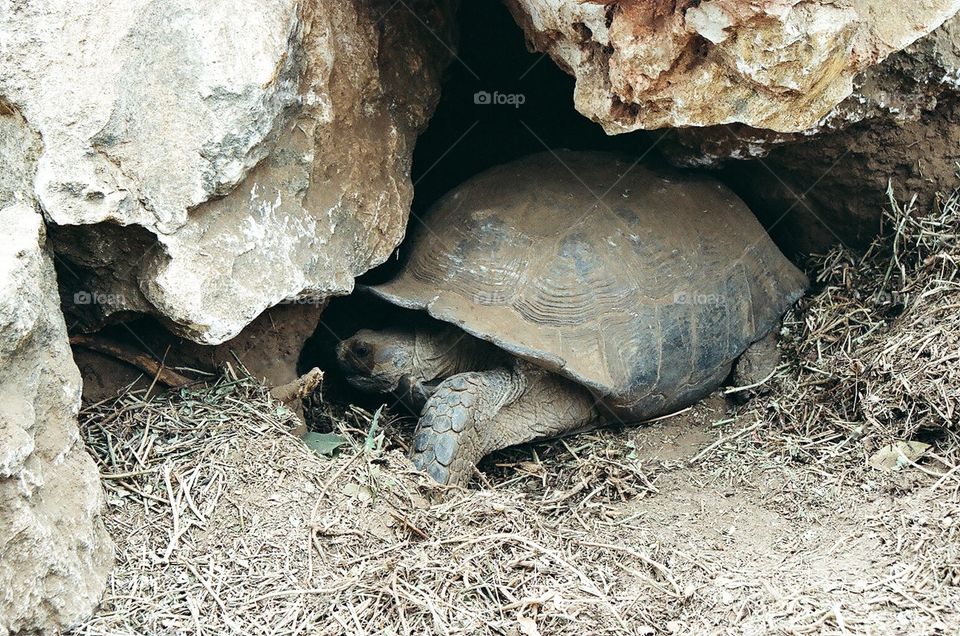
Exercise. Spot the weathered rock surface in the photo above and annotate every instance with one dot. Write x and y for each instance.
(203, 163)
(900, 90)
(54, 551)
(902, 126)
(781, 65)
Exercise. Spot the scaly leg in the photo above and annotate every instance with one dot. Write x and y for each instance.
(475, 413)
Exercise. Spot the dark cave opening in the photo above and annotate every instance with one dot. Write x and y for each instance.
(500, 102)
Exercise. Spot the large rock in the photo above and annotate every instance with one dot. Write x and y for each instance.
(54, 551)
(901, 90)
(901, 126)
(781, 65)
(204, 162)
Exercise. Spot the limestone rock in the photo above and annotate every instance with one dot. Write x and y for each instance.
(55, 554)
(203, 163)
(900, 90)
(815, 189)
(781, 65)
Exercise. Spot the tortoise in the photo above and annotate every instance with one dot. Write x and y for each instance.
(571, 287)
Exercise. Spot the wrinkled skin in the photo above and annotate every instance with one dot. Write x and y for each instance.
(410, 364)
(377, 361)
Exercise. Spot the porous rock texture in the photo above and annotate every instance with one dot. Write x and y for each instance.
(781, 65)
(900, 127)
(827, 101)
(900, 90)
(203, 162)
(54, 551)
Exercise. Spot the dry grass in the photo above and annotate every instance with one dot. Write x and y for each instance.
(226, 523)
(875, 351)
(766, 521)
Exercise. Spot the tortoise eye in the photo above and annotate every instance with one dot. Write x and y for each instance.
(361, 350)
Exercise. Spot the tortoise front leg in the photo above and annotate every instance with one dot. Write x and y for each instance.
(475, 413)
(755, 365)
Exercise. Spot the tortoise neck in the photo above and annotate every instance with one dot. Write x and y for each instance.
(441, 353)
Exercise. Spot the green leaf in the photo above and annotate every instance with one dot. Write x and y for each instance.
(324, 443)
(369, 443)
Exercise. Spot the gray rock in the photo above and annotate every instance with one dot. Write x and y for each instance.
(901, 90)
(203, 163)
(780, 65)
(55, 554)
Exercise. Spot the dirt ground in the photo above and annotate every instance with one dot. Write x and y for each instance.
(696, 524)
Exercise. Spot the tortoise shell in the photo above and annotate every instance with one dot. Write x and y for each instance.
(643, 286)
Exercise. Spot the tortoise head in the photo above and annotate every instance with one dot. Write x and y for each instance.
(376, 361)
